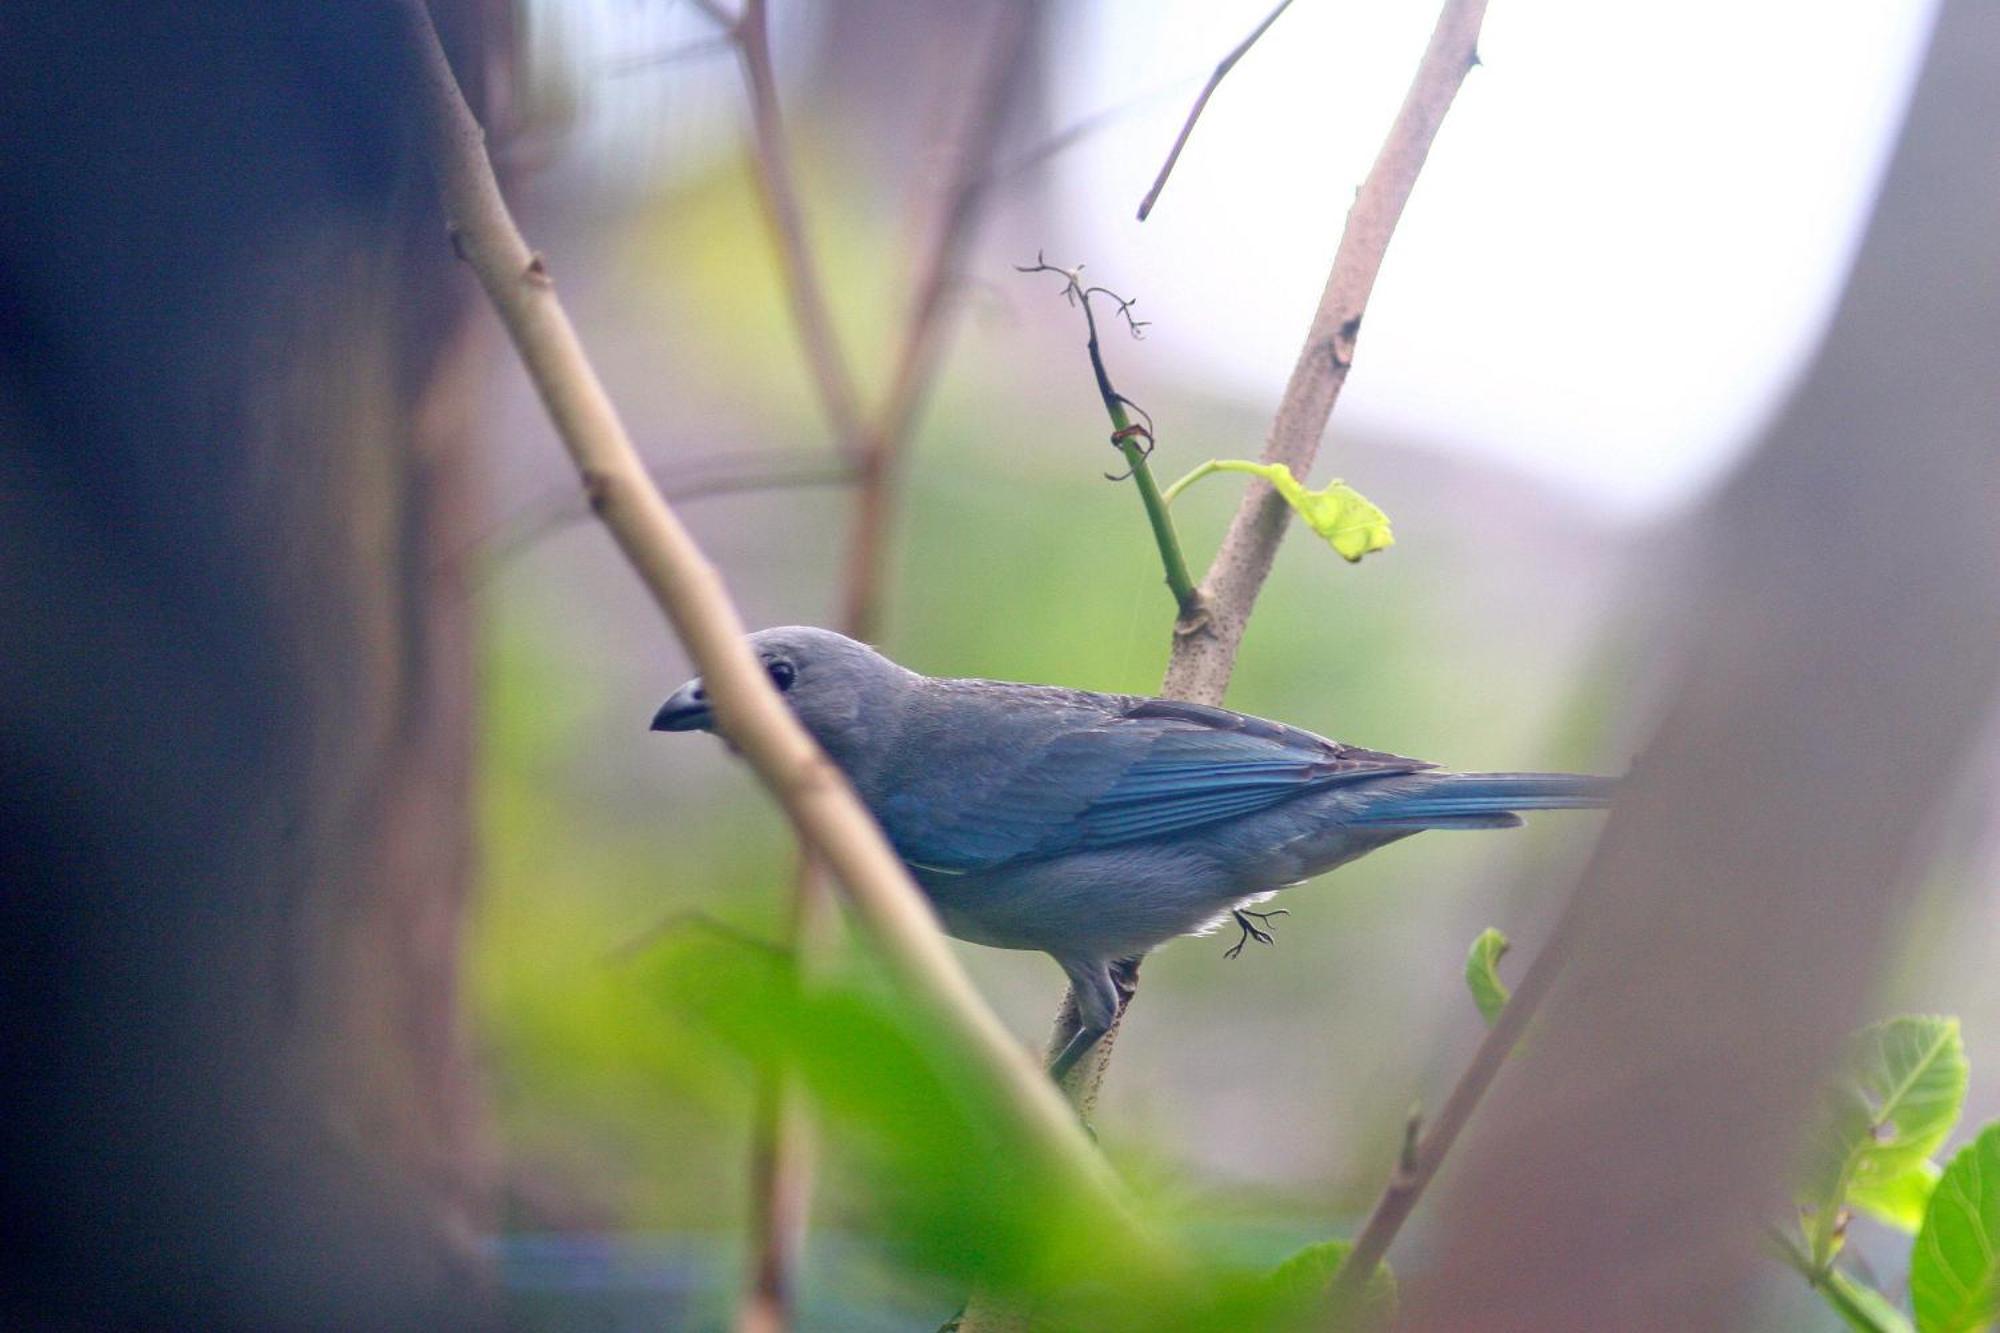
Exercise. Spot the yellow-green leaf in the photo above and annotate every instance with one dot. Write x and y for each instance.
(1343, 517)
(1348, 521)
(1482, 974)
(1899, 1200)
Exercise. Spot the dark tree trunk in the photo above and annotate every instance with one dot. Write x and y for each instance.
(235, 679)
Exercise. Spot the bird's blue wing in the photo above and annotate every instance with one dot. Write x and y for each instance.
(1154, 769)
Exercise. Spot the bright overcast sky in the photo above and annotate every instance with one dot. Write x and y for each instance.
(1629, 230)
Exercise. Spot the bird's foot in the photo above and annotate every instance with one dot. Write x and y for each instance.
(1250, 931)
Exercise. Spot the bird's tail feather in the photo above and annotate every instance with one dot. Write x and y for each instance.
(1486, 800)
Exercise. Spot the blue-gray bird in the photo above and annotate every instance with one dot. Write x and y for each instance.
(1095, 827)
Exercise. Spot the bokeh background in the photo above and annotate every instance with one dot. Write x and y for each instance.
(1624, 245)
(369, 964)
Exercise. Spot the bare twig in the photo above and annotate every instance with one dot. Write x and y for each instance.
(719, 14)
(697, 479)
(817, 799)
(1222, 69)
(778, 190)
(872, 448)
(673, 55)
(1418, 1164)
(1205, 644)
(916, 358)
(781, 1161)
(1077, 131)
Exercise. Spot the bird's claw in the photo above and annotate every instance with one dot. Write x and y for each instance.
(1252, 932)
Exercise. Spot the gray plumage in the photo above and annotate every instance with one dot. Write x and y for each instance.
(1095, 827)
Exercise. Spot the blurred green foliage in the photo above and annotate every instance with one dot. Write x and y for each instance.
(1901, 1085)
(1895, 1100)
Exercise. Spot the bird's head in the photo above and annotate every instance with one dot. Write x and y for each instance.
(827, 678)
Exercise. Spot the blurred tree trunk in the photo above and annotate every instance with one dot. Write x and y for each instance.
(235, 689)
(1840, 650)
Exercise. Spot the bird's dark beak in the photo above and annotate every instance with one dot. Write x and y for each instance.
(685, 710)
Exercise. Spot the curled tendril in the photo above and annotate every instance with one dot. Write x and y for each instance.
(1075, 291)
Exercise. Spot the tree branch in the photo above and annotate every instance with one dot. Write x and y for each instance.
(1205, 648)
(778, 190)
(962, 202)
(816, 798)
(782, 1166)
(654, 60)
(697, 479)
(1413, 1174)
(1200, 102)
(1205, 644)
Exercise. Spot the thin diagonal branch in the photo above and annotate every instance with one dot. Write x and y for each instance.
(719, 14)
(778, 189)
(1077, 131)
(914, 369)
(815, 797)
(1222, 69)
(782, 1156)
(1413, 1174)
(654, 60)
(697, 479)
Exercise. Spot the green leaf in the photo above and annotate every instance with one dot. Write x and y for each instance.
(1343, 517)
(1347, 520)
(1301, 1282)
(1898, 1201)
(1901, 1086)
(1482, 974)
(1954, 1269)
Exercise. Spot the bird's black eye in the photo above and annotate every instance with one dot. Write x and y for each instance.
(783, 673)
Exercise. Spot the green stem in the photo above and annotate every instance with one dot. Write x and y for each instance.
(1178, 579)
(1210, 468)
(1134, 444)
(1840, 1290)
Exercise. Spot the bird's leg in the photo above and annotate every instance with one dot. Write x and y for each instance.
(1101, 991)
(1251, 932)
(1125, 980)
(1078, 1045)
